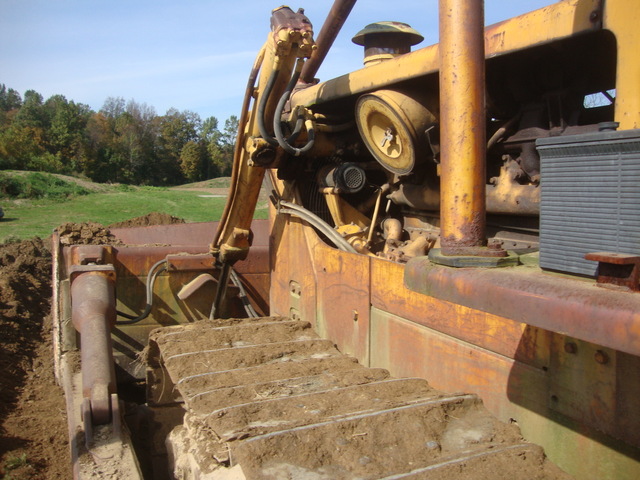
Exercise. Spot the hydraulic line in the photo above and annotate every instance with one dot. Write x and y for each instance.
(228, 273)
(280, 139)
(280, 107)
(237, 153)
(262, 105)
(242, 294)
(154, 271)
(285, 143)
(248, 95)
(315, 221)
(221, 292)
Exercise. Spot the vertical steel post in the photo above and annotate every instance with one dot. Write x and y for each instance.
(462, 71)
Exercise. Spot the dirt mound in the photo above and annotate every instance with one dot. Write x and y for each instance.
(25, 281)
(153, 218)
(33, 439)
(25, 290)
(88, 233)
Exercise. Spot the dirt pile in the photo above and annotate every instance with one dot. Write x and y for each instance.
(87, 233)
(25, 292)
(153, 218)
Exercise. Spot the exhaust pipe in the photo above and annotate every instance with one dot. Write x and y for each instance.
(328, 33)
(462, 127)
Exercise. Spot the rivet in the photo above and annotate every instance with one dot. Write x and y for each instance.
(570, 347)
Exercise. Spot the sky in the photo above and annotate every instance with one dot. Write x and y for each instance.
(186, 54)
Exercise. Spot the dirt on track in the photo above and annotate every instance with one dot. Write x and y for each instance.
(33, 425)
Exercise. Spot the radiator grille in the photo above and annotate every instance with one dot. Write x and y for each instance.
(590, 198)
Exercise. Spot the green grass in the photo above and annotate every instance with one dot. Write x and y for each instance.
(38, 217)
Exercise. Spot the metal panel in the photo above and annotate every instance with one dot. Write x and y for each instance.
(343, 298)
(529, 345)
(529, 396)
(590, 199)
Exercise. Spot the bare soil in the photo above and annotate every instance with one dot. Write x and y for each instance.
(33, 425)
(33, 430)
(153, 218)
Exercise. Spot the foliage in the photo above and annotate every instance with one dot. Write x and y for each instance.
(124, 142)
(37, 185)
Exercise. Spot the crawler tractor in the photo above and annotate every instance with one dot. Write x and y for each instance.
(447, 287)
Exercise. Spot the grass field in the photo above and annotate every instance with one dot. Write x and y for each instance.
(26, 218)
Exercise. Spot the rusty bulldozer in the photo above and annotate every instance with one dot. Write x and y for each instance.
(447, 285)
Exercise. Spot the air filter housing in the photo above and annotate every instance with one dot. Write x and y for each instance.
(347, 177)
(590, 198)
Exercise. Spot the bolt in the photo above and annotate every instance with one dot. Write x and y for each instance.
(388, 136)
(494, 244)
(601, 357)
(570, 347)
(355, 315)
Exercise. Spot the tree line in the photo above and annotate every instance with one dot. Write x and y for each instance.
(124, 142)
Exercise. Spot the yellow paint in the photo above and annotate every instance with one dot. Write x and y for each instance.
(279, 54)
(560, 20)
(462, 124)
(622, 17)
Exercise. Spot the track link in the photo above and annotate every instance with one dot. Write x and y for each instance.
(268, 399)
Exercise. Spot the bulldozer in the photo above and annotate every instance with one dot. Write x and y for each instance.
(447, 285)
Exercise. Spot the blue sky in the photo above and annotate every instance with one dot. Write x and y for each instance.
(187, 54)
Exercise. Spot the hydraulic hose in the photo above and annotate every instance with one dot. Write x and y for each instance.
(315, 221)
(242, 294)
(280, 139)
(237, 152)
(154, 271)
(228, 273)
(262, 105)
(285, 143)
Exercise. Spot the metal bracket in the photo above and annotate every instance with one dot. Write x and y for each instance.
(617, 269)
